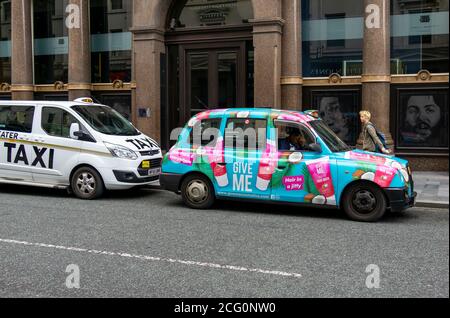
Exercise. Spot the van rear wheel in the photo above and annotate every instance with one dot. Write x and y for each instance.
(197, 192)
(364, 202)
(87, 184)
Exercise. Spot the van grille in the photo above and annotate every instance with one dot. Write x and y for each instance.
(149, 153)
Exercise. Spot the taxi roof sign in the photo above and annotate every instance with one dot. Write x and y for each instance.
(84, 100)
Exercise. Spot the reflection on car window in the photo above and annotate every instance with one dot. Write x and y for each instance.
(329, 137)
(246, 134)
(205, 133)
(56, 122)
(106, 120)
(16, 118)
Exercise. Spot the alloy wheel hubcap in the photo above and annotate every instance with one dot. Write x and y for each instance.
(86, 183)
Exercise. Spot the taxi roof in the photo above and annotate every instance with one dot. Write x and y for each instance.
(262, 112)
(64, 104)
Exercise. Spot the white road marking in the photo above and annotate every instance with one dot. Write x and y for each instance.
(155, 259)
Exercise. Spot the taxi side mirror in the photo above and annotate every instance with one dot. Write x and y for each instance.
(75, 131)
(77, 134)
(315, 148)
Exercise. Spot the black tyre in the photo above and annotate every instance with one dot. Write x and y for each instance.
(364, 202)
(198, 192)
(87, 184)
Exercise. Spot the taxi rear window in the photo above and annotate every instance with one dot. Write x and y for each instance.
(16, 118)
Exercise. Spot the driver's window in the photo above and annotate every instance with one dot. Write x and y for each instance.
(293, 136)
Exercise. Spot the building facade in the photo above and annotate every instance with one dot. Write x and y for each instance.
(158, 62)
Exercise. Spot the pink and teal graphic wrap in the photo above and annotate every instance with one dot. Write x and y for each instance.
(216, 159)
(321, 175)
(267, 166)
(283, 176)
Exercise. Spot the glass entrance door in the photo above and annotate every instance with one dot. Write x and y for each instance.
(214, 78)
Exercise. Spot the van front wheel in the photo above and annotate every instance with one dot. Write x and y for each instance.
(197, 192)
(87, 184)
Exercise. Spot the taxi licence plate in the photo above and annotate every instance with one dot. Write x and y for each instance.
(154, 172)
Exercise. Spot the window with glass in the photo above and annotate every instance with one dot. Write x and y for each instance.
(246, 134)
(16, 118)
(51, 42)
(419, 36)
(111, 40)
(56, 122)
(332, 35)
(203, 13)
(5, 41)
(205, 133)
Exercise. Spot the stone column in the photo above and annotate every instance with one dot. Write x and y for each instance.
(80, 53)
(376, 76)
(267, 42)
(148, 45)
(22, 51)
(291, 77)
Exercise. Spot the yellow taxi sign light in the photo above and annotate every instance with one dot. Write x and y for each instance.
(84, 100)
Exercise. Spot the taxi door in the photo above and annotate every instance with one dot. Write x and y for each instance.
(247, 158)
(16, 125)
(55, 154)
(303, 175)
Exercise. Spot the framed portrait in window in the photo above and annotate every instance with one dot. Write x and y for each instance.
(339, 109)
(422, 118)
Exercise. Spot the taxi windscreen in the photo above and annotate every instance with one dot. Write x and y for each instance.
(334, 143)
(106, 120)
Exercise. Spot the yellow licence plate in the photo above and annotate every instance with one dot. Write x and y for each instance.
(146, 165)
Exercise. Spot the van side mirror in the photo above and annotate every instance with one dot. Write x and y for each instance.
(77, 134)
(315, 148)
(74, 131)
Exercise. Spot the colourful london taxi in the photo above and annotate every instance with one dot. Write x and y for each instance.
(78, 145)
(282, 157)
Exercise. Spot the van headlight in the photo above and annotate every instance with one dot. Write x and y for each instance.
(121, 151)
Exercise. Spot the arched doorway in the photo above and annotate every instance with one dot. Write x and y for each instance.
(209, 60)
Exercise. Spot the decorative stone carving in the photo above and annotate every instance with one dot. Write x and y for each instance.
(335, 78)
(58, 85)
(117, 84)
(5, 87)
(424, 75)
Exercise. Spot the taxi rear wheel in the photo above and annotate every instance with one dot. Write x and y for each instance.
(87, 184)
(364, 202)
(197, 192)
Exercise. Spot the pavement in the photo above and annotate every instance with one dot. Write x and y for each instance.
(145, 243)
(432, 189)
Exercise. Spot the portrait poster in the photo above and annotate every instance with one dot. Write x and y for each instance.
(422, 118)
(339, 110)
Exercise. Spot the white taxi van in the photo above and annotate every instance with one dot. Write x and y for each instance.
(79, 146)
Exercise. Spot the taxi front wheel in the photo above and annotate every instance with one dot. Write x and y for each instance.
(364, 202)
(197, 192)
(87, 184)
